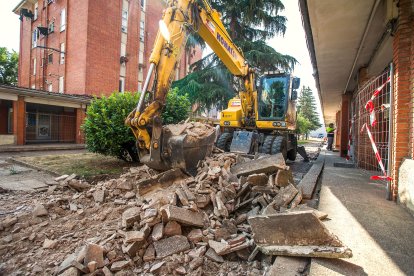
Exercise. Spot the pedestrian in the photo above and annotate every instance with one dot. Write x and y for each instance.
(330, 130)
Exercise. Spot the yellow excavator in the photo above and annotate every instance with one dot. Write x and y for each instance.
(261, 118)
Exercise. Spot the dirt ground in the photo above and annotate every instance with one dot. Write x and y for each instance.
(73, 219)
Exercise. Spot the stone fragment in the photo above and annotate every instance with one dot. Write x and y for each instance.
(132, 248)
(183, 216)
(286, 266)
(284, 197)
(125, 185)
(71, 271)
(172, 228)
(170, 246)
(221, 208)
(117, 266)
(134, 236)
(212, 255)
(219, 247)
(268, 164)
(197, 252)
(99, 196)
(196, 263)
(156, 267)
(9, 221)
(284, 178)
(181, 270)
(39, 210)
(92, 266)
(150, 213)
(78, 185)
(260, 179)
(62, 177)
(182, 196)
(94, 253)
(130, 216)
(49, 244)
(149, 254)
(296, 200)
(129, 195)
(106, 271)
(195, 235)
(157, 232)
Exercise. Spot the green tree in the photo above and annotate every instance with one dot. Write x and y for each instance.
(303, 125)
(249, 23)
(8, 66)
(105, 129)
(307, 110)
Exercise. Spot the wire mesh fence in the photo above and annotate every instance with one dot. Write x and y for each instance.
(43, 127)
(363, 153)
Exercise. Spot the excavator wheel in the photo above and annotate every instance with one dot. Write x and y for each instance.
(267, 144)
(279, 146)
(291, 154)
(224, 141)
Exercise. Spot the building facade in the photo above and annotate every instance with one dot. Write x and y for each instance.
(88, 46)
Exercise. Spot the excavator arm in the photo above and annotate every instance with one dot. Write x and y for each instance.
(180, 18)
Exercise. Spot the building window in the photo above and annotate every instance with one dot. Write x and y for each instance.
(143, 4)
(121, 84)
(34, 67)
(50, 87)
(124, 27)
(139, 86)
(63, 20)
(62, 53)
(33, 86)
(61, 84)
(50, 58)
(35, 37)
(51, 28)
(10, 120)
(142, 31)
(36, 10)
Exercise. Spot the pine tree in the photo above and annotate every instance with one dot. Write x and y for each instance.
(249, 23)
(307, 109)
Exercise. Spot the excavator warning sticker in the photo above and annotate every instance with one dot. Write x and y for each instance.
(236, 103)
(211, 27)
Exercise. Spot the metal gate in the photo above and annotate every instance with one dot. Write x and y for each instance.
(363, 154)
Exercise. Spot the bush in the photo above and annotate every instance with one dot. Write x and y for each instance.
(105, 129)
(177, 108)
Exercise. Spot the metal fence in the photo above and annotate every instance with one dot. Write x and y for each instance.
(43, 127)
(363, 154)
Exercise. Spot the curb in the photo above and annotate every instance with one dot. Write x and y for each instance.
(40, 148)
(33, 167)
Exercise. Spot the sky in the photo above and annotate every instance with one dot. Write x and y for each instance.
(293, 43)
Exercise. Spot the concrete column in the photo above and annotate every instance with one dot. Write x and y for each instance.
(338, 131)
(344, 117)
(80, 118)
(19, 121)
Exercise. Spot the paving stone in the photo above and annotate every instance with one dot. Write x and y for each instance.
(264, 165)
(171, 245)
(308, 183)
(149, 254)
(183, 216)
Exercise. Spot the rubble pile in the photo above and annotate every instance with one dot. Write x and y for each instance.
(150, 223)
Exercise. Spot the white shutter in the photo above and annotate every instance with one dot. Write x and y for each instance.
(34, 66)
(63, 20)
(61, 84)
(62, 54)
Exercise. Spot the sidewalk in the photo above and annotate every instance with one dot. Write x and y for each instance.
(41, 147)
(379, 232)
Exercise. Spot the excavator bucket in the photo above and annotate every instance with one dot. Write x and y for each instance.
(182, 146)
(299, 233)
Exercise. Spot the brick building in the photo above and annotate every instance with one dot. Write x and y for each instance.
(77, 47)
(363, 55)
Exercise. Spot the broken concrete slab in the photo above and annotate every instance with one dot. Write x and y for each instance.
(172, 228)
(260, 179)
(39, 210)
(94, 252)
(288, 266)
(308, 182)
(284, 178)
(212, 255)
(130, 216)
(269, 164)
(304, 207)
(170, 246)
(284, 197)
(296, 234)
(183, 216)
(161, 180)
